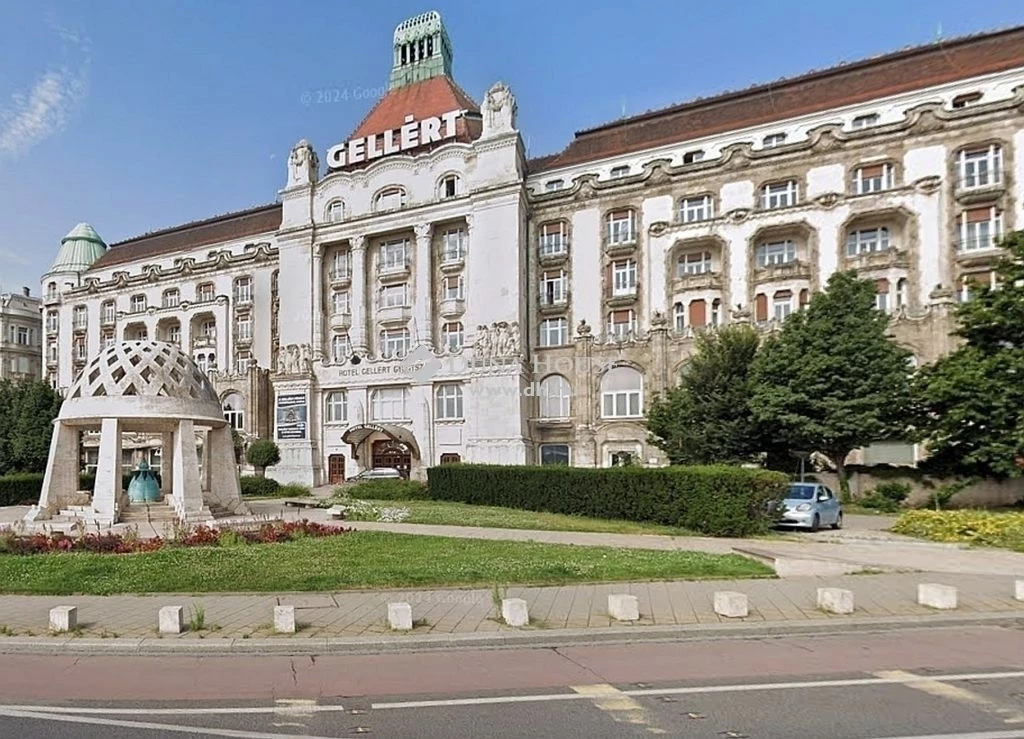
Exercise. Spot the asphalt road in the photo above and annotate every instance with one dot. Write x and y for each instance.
(962, 684)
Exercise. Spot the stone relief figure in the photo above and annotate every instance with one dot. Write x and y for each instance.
(583, 329)
(500, 339)
(514, 346)
(305, 360)
(483, 345)
(282, 359)
(499, 110)
(303, 165)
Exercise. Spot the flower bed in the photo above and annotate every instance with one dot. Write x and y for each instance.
(131, 542)
(967, 527)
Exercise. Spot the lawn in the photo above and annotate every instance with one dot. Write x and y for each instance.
(362, 559)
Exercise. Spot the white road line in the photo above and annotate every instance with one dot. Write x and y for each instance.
(618, 705)
(201, 730)
(956, 694)
(1016, 734)
(227, 711)
(697, 690)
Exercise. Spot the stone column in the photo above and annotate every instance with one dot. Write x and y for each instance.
(166, 464)
(186, 333)
(357, 297)
(108, 472)
(317, 349)
(658, 380)
(207, 460)
(423, 300)
(224, 488)
(187, 496)
(60, 482)
(225, 336)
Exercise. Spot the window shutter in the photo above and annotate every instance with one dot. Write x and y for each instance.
(761, 308)
(979, 215)
(805, 296)
(609, 279)
(783, 295)
(874, 170)
(698, 313)
(882, 287)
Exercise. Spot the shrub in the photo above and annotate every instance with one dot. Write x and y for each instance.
(261, 454)
(386, 490)
(260, 486)
(292, 490)
(887, 497)
(21, 488)
(714, 500)
(965, 527)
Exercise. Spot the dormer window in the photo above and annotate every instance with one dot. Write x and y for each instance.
(692, 157)
(448, 187)
(773, 140)
(552, 185)
(390, 199)
(621, 226)
(620, 171)
(779, 194)
(864, 121)
(205, 293)
(962, 101)
(335, 211)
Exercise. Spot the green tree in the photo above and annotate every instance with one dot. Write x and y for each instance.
(27, 411)
(970, 404)
(261, 454)
(707, 418)
(832, 380)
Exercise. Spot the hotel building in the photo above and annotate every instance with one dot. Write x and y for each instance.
(423, 292)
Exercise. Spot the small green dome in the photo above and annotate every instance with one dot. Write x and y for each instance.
(79, 249)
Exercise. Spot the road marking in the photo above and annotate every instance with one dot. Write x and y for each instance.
(295, 708)
(956, 694)
(617, 704)
(1016, 734)
(201, 730)
(226, 711)
(700, 689)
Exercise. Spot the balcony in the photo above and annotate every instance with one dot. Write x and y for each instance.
(204, 342)
(795, 270)
(621, 246)
(623, 296)
(108, 319)
(394, 315)
(699, 281)
(980, 187)
(552, 257)
(452, 307)
(452, 261)
(80, 326)
(339, 277)
(243, 340)
(885, 259)
(550, 306)
(341, 321)
(977, 250)
(395, 272)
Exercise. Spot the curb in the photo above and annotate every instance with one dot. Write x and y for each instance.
(538, 639)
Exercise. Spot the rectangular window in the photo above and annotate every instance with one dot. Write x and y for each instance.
(171, 299)
(204, 293)
(452, 335)
(393, 296)
(341, 266)
(394, 255)
(624, 277)
(453, 245)
(699, 208)
(336, 406)
(872, 178)
(243, 328)
(554, 332)
(782, 305)
(448, 402)
(453, 288)
(692, 157)
(980, 228)
(173, 334)
(243, 360)
(621, 404)
(779, 195)
(621, 324)
(340, 302)
(775, 253)
(80, 318)
(390, 404)
(980, 167)
(554, 454)
(52, 321)
(554, 239)
(693, 263)
(243, 291)
(394, 344)
(867, 241)
(554, 288)
(621, 227)
(138, 303)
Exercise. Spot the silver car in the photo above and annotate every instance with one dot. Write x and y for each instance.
(811, 505)
(377, 473)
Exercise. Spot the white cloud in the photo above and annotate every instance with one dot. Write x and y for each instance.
(45, 109)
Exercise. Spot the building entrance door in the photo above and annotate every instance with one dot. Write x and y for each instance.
(335, 469)
(388, 453)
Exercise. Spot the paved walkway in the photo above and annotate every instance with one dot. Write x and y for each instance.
(474, 611)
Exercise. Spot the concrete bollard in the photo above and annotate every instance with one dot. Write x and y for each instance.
(835, 600)
(64, 618)
(284, 619)
(624, 607)
(1018, 590)
(731, 604)
(514, 612)
(400, 616)
(940, 597)
(171, 619)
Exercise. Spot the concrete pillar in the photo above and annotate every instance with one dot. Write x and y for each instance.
(108, 471)
(223, 489)
(61, 479)
(207, 461)
(423, 296)
(166, 464)
(357, 298)
(187, 494)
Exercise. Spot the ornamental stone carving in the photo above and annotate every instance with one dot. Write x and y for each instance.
(928, 185)
(303, 165)
(659, 227)
(499, 111)
(294, 359)
(828, 199)
(583, 329)
(500, 339)
(738, 215)
(423, 231)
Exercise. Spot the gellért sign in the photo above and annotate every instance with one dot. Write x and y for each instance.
(411, 135)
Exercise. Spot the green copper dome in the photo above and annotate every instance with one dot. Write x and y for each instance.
(79, 249)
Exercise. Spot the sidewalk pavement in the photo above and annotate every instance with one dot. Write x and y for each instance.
(352, 620)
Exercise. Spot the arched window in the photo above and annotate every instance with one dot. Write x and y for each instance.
(335, 211)
(903, 293)
(448, 401)
(234, 411)
(679, 317)
(449, 186)
(555, 397)
(389, 198)
(336, 406)
(622, 390)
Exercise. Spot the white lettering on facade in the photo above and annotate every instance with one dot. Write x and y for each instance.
(411, 135)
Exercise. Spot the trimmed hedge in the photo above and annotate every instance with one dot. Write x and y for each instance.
(24, 488)
(717, 501)
(258, 486)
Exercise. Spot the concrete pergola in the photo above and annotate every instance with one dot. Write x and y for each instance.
(148, 387)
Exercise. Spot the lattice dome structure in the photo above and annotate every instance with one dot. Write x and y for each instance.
(161, 380)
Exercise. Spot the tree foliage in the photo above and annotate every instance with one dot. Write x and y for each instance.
(832, 380)
(261, 454)
(707, 418)
(970, 404)
(27, 411)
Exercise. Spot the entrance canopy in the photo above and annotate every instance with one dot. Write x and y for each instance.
(358, 434)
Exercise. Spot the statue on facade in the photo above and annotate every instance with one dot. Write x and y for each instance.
(514, 345)
(282, 359)
(583, 329)
(499, 110)
(483, 345)
(303, 165)
(305, 359)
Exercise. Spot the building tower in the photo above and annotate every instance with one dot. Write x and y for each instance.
(422, 50)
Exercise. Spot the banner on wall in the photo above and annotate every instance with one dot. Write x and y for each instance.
(292, 417)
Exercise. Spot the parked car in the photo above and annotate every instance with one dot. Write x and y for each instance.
(377, 473)
(811, 505)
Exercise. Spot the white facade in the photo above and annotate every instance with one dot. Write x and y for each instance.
(21, 336)
(454, 301)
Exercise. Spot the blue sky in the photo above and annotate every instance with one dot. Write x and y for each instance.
(136, 116)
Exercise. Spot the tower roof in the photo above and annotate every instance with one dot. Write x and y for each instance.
(79, 249)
